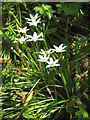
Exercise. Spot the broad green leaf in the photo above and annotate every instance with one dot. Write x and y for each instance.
(51, 31)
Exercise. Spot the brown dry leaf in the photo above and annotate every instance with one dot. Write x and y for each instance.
(4, 60)
(22, 95)
(70, 103)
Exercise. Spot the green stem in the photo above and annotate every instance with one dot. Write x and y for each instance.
(53, 82)
(79, 58)
(66, 35)
(64, 81)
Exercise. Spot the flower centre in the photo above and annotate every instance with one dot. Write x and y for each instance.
(21, 40)
(34, 21)
(22, 30)
(35, 37)
(59, 49)
(52, 63)
(44, 59)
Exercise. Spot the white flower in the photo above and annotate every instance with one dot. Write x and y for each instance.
(21, 40)
(35, 37)
(22, 30)
(43, 58)
(60, 48)
(34, 20)
(52, 63)
(46, 52)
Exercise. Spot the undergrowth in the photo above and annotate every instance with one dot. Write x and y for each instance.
(45, 64)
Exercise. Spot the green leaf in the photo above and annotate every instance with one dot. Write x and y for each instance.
(82, 106)
(81, 114)
(50, 31)
(27, 114)
(44, 10)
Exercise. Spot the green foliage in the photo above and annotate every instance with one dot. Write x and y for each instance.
(45, 10)
(51, 31)
(53, 93)
(69, 8)
(82, 113)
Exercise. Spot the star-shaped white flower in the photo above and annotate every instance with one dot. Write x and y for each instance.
(60, 48)
(43, 58)
(52, 63)
(46, 52)
(35, 37)
(34, 20)
(21, 40)
(22, 30)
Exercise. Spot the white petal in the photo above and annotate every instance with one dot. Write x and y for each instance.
(38, 21)
(55, 46)
(43, 52)
(20, 28)
(28, 19)
(34, 40)
(25, 28)
(35, 24)
(39, 60)
(49, 51)
(48, 66)
(30, 23)
(51, 59)
(34, 34)
(41, 34)
(14, 41)
(63, 50)
(30, 40)
(31, 16)
(17, 30)
(57, 65)
(29, 36)
(40, 39)
(16, 38)
(41, 57)
(61, 45)
(56, 61)
(26, 38)
(36, 16)
(64, 47)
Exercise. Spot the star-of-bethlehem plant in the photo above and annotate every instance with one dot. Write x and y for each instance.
(45, 55)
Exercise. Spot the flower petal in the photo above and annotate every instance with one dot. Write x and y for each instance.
(30, 40)
(57, 64)
(55, 46)
(36, 16)
(41, 39)
(48, 66)
(56, 61)
(38, 21)
(31, 16)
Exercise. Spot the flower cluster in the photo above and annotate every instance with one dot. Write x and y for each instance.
(33, 21)
(44, 55)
